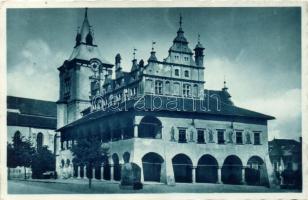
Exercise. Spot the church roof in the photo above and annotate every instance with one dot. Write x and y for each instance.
(148, 103)
(31, 112)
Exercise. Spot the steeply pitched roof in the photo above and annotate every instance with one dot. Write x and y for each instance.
(32, 106)
(87, 52)
(31, 113)
(162, 103)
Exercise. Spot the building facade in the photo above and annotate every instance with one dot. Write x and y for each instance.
(32, 119)
(158, 116)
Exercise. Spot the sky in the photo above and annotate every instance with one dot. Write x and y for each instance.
(257, 50)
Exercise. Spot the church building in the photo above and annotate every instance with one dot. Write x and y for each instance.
(158, 116)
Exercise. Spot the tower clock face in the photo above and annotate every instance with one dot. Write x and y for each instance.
(95, 64)
(94, 67)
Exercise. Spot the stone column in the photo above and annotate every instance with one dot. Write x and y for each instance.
(141, 174)
(193, 174)
(111, 172)
(122, 134)
(93, 173)
(243, 176)
(102, 172)
(135, 130)
(78, 172)
(219, 175)
(84, 172)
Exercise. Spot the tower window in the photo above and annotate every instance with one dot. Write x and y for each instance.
(186, 58)
(158, 87)
(220, 137)
(186, 90)
(177, 72)
(67, 86)
(256, 137)
(239, 137)
(182, 136)
(186, 73)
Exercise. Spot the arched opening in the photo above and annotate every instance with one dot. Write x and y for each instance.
(39, 140)
(231, 172)
(150, 127)
(116, 167)
(151, 164)
(75, 173)
(82, 171)
(253, 170)
(206, 171)
(106, 170)
(126, 157)
(182, 167)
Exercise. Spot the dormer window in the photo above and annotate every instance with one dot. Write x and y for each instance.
(186, 73)
(177, 72)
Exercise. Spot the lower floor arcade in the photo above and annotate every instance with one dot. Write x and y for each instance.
(207, 170)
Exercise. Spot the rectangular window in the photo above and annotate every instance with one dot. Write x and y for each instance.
(176, 89)
(177, 72)
(256, 137)
(200, 138)
(186, 73)
(182, 136)
(158, 87)
(220, 137)
(186, 90)
(239, 137)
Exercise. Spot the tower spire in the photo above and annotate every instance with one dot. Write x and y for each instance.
(86, 13)
(134, 53)
(225, 84)
(180, 20)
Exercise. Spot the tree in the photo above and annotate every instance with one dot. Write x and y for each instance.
(43, 160)
(20, 152)
(11, 158)
(89, 152)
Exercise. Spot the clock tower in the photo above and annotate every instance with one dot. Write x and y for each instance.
(76, 75)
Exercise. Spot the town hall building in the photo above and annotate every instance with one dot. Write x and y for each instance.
(158, 116)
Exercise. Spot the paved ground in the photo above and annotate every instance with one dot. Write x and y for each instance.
(81, 186)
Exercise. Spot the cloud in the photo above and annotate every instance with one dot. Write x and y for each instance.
(260, 91)
(35, 75)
